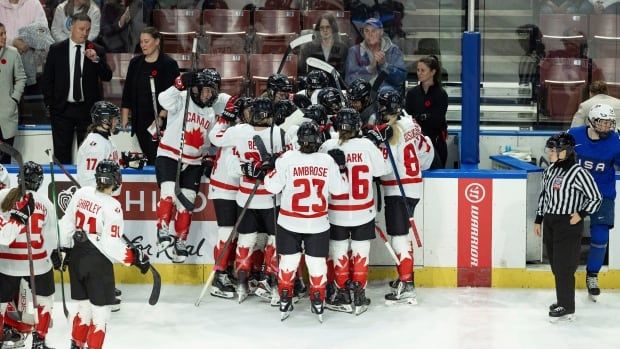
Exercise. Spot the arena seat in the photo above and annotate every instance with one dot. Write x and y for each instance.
(226, 30)
(275, 29)
(263, 65)
(558, 29)
(608, 71)
(178, 28)
(563, 81)
(113, 89)
(343, 19)
(184, 60)
(232, 68)
(604, 35)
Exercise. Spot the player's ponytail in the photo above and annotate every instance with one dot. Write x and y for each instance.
(10, 199)
(393, 122)
(345, 135)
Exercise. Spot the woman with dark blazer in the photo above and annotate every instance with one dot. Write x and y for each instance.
(327, 46)
(137, 97)
(428, 104)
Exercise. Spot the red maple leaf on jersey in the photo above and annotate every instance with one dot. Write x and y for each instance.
(194, 138)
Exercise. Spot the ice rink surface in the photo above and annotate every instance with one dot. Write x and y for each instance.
(444, 318)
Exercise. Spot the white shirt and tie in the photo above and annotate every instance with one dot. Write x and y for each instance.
(73, 47)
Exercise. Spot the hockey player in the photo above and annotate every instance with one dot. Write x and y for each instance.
(316, 80)
(352, 215)
(598, 150)
(282, 110)
(316, 113)
(413, 153)
(279, 87)
(36, 211)
(305, 178)
(331, 99)
(203, 92)
(261, 213)
(93, 227)
(359, 95)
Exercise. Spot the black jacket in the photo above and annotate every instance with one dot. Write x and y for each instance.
(429, 109)
(337, 56)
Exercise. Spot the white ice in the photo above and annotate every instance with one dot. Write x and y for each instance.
(444, 318)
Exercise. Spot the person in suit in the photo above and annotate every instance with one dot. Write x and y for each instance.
(327, 46)
(598, 95)
(71, 84)
(12, 83)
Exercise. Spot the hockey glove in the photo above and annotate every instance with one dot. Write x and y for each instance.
(56, 259)
(141, 260)
(269, 163)
(67, 260)
(339, 158)
(209, 163)
(185, 81)
(22, 209)
(133, 160)
(231, 110)
(379, 134)
(252, 170)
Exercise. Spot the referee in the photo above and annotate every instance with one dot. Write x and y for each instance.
(568, 195)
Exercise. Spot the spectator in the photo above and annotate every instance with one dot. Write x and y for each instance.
(37, 39)
(19, 13)
(428, 104)
(530, 40)
(68, 91)
(61, 25)
(376, 53)
(12, 82)
(139, 14)
(327, 45)
(598, 95)
(583, 7)
(137, 97)
(606, 7)
(114, 26)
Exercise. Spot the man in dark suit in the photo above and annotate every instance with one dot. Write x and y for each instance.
(71, 84)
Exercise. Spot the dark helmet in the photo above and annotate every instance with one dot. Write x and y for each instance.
(262, 111)
(215, 76)
(33, 175)
(317, 79)
(359, 90)
(390, 102)
(102, 113)
(202, 80)
(279, 83)
(561, 141)
(241, 104)
(348, 119)
(317, 113)
(309, 137)
(108, 173)
(281, 110)
(330, 98)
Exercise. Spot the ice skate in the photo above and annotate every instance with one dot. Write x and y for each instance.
(317, 306)
(12, 339)
(180, 252)
(221, 286)
(164, 240)
(300, 289)
(592, 284)
(560, 314)
(242, 286)
(394, 283)
(116, 306)
(286, 305)
(74, 345)
(38, 342)
(264, 289)
(253, 282)
(404, 293)
(359, 299)
(340, 301)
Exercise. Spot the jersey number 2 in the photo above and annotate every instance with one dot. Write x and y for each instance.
(307, 185)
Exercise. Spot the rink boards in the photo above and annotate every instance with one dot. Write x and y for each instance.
(475, 226)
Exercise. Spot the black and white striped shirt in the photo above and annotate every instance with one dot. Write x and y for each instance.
(566, 191)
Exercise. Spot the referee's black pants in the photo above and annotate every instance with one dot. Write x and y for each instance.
(563, 243)
(75, 118)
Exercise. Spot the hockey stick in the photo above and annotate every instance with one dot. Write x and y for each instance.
(189, 206)
(154, 99)
(379, 231)
(328, 68)
(55, 202)
(156, 277)
(233, 235)
(402, 193)
(304, 39)
(12, 152)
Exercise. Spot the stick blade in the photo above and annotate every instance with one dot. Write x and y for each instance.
(304, 39)
(319, 64)
(154, 298)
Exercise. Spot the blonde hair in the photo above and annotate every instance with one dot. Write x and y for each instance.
(398, 131)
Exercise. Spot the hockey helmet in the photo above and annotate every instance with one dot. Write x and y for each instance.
(262, 112)
(330, 98)
(390, 102)
(317, 79)
(241, 105)
(279, 83)
(200, 81)
(281, 110)
(602, 117)
(309, 137)
(348, 119)
(317, 113)
(214, 75)
(33, 176)
(108, 173)
(106, 115)
(359, 91)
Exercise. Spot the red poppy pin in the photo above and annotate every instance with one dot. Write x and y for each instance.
(3, 61)
(90, 46)
(153, 73)
(427, 103)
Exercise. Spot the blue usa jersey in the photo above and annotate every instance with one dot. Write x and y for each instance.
(598, 157)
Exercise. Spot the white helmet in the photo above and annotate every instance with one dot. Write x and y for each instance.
(600, 113)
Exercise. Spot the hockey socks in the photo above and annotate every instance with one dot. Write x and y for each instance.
(220, 254)
(404, 253)
(598, 247)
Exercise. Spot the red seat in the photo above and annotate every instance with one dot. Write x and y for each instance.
(560, 30)
(332, 5)
(605, 35)
(178, 28)
(113, 89)
(184, 60)
(226, 30)
(263, 65)
(564, 81)
(232, 68)
(608, 71)
(275, 29)
(343, 19)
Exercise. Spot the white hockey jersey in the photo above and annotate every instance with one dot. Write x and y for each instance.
(305, 180)
(199, 123)
(94, 149)
(13, 240)
(222, 184)
(413, 154)
(101, 217)
(241, 138)
(364, 161)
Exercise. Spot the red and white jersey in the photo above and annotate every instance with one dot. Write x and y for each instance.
(101, 217)
(241, 138)
(220, 104)
(199, 123)
(14, 243)
(364, 161)
(413, 154)
(94, 149)
(222, 184)
(305, 180)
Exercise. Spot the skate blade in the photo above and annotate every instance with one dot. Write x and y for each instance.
(560, 319)
(220, 294)
(360, 310)
(320, 318)
(284, 315)
(340, 308)
(593, 298)
(410, 301)
(263, 294)
(241, 297)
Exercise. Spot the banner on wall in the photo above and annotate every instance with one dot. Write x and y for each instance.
(475, 212)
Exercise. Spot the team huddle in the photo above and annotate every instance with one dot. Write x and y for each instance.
(291, 179)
